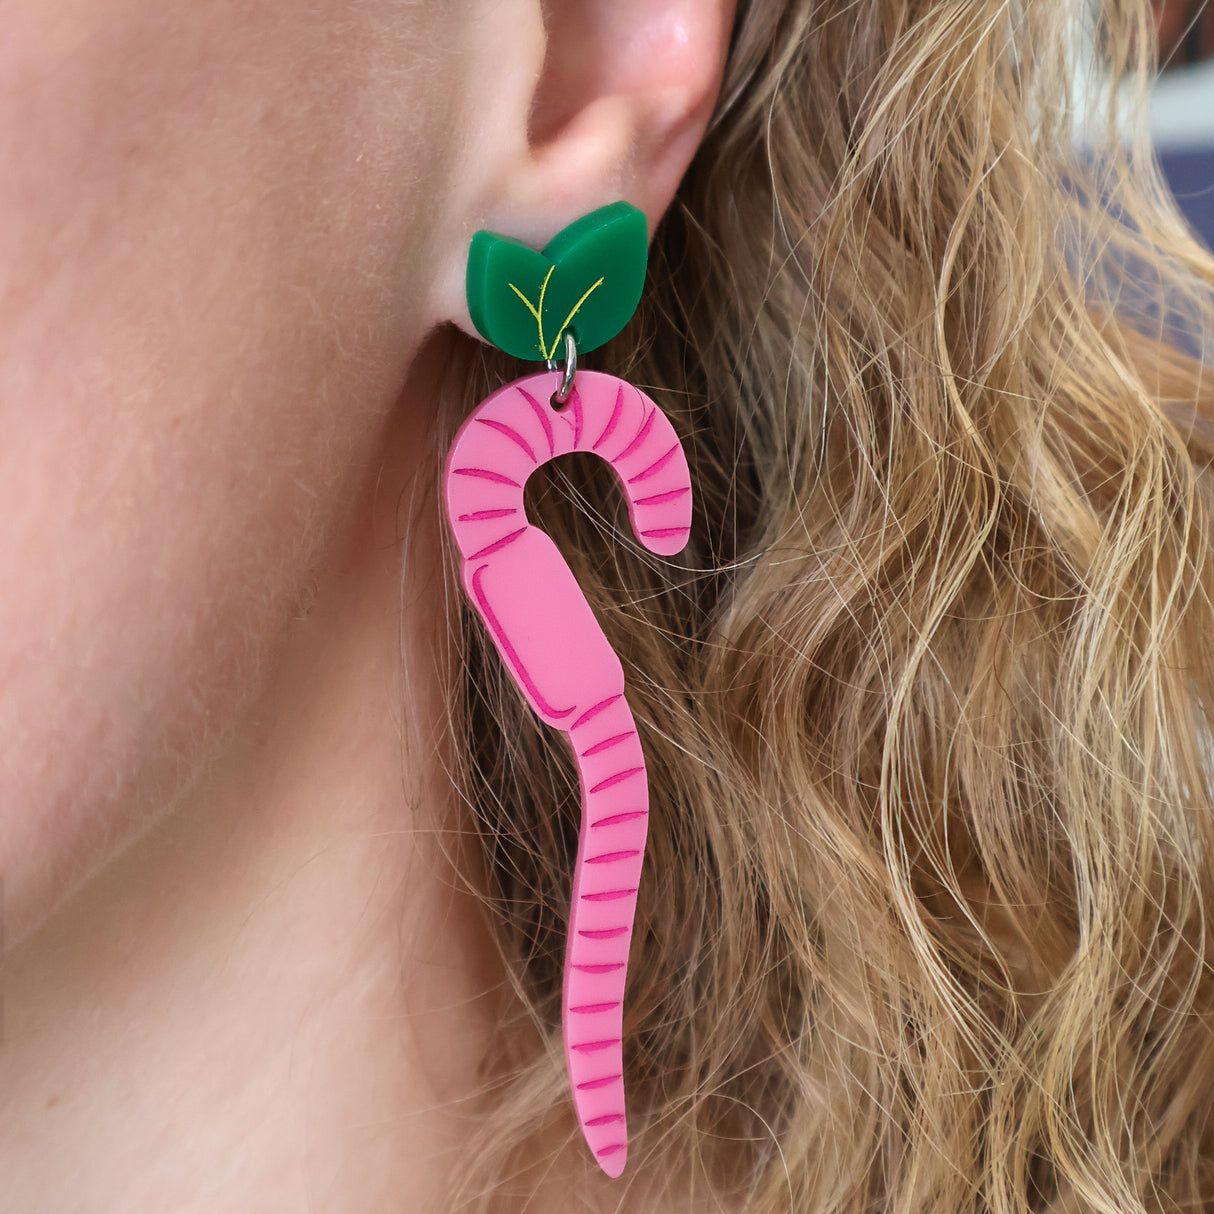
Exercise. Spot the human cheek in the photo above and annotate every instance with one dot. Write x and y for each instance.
(201, 241)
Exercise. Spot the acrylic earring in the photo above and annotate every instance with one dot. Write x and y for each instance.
(574, 295)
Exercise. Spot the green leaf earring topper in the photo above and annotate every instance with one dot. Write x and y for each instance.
(587, 279)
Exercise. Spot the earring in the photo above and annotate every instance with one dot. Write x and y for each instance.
(574, 295)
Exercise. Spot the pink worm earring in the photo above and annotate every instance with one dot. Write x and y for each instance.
(576, 294)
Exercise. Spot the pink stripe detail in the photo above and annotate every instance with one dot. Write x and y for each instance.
(618, 778)
(611, 895)
(593, 1047)
(504, 641)
(641, 435)
(612, 420)
(602, 933)
(607, 967)
(606, 1119)
(588, 1085)
(658, 498)
(608, 743)
(479, 516)
(611, 857)
(511, 433)
(655, 467)
(616, 819)
(591, 713)
(538, 410)
(486, 475)
(590, 1008)
(660, 533)
(611, 1150)
(575, 403)
(497, 546)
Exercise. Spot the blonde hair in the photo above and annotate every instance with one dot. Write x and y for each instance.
(925, 923)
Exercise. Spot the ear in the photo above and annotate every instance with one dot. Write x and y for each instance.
(610, 102)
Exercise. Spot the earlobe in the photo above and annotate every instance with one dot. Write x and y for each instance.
(618, 109)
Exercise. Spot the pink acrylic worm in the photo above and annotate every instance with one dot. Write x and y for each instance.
(554, 648)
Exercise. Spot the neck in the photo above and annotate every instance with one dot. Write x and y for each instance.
(277, 996)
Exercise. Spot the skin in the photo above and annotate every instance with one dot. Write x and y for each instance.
(232, 240)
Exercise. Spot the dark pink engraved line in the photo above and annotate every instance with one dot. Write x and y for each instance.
(655, 467)
(618, 778)
(608, 743)
(511, 433)
(616, 819)
(659, 498)
(611, 1150)
(539, 412)
(511, 653)
(611, 895)
(589, 1009)
(605, 967)
(603, 933)
(588, 1085)
(573, 410)
(479, 516)
(498, 545)
(611, 857)
(660, 533)
(575, 403)
(591, 713)
(593, 1047)
(606, 1119)
(641, 435)
(486, 475)
(612, 420)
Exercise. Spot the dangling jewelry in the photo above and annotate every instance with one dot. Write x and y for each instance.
(575, 295)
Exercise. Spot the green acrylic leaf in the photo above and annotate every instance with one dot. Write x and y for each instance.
(587, 279)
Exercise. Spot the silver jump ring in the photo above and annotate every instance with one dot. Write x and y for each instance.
(561, 396)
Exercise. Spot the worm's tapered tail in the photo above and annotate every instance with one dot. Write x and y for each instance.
(615, 819)
(553, 646)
